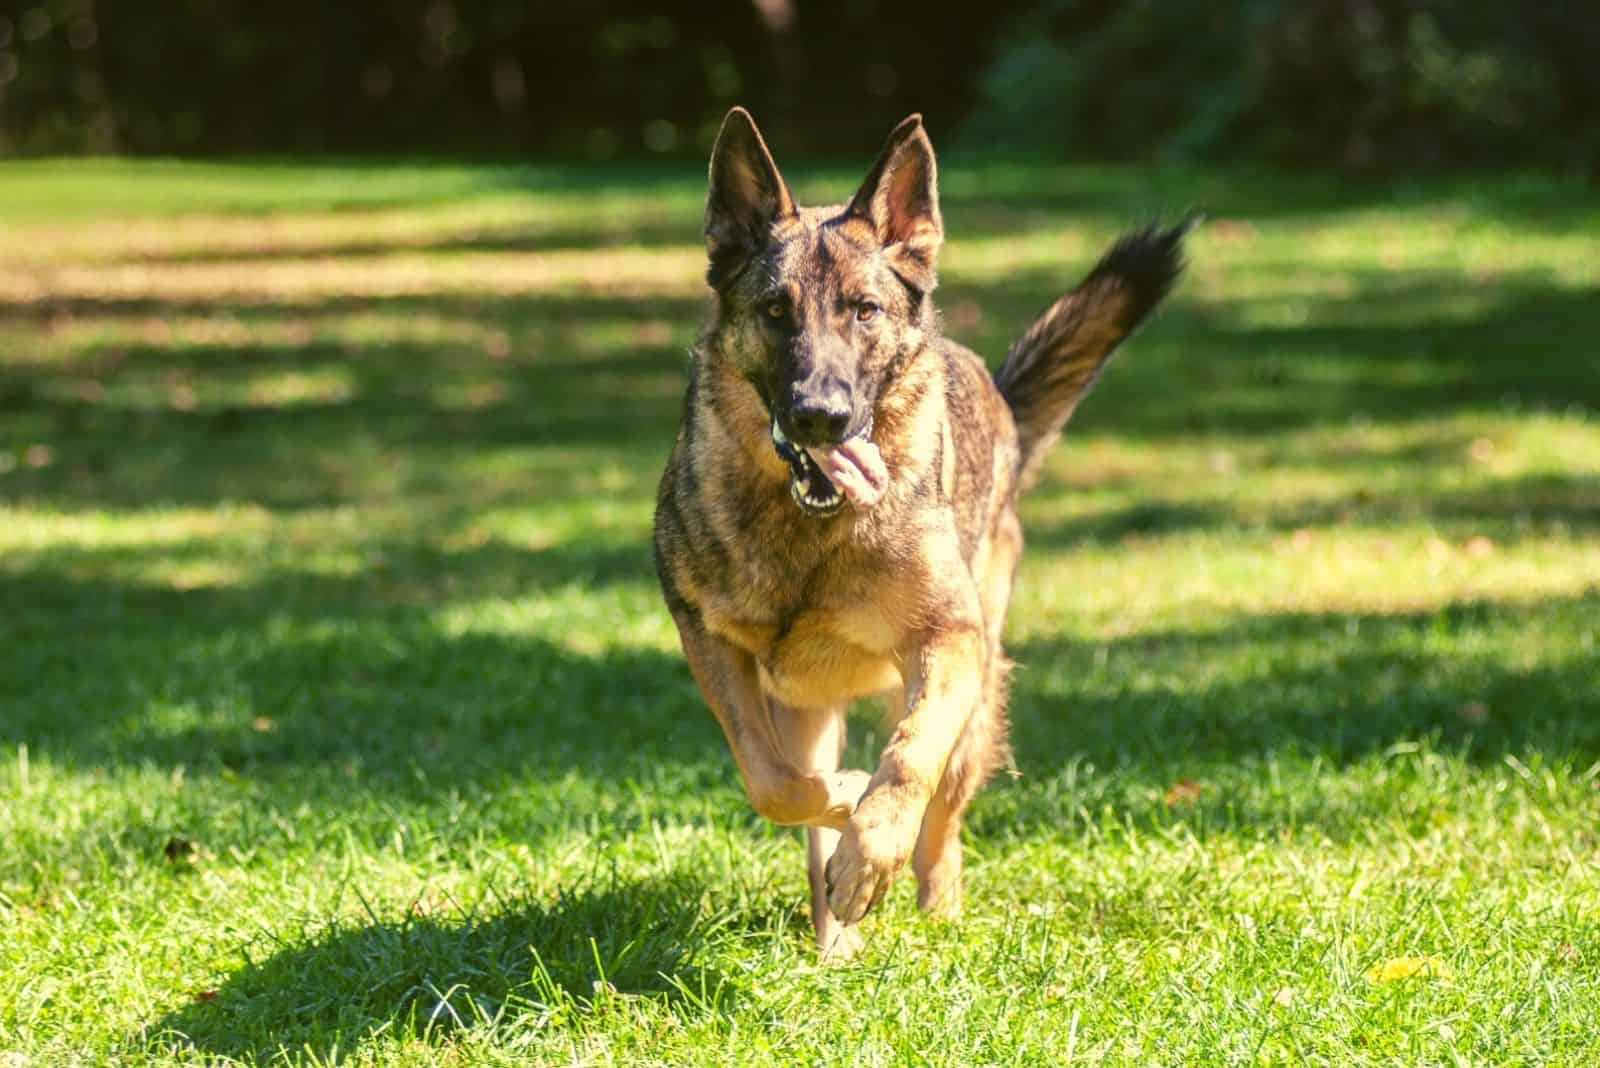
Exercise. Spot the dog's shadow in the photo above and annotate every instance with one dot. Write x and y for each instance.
(439, 969)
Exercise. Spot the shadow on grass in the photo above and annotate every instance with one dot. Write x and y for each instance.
(592, 233)
(438, 971)
(363, 689)
(1387, 353)
(191, 425)
(1318, 689)
(1506, 509)
(372, 702)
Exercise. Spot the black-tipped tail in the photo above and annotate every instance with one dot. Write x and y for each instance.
(1051, 367)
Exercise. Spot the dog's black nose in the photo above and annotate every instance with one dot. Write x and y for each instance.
(821, 420)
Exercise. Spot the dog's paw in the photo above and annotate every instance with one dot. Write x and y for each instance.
(841, 946)
(845, 789)
(862, 869)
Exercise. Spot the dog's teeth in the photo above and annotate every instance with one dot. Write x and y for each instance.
(778, 434)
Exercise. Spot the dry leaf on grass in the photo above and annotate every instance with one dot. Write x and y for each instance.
(1398, 968)
(1184, 792)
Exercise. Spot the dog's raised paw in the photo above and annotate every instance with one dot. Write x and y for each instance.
(857, 877)
(844, 944)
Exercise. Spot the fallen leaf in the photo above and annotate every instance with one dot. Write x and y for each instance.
(424, 906)
(1398, 968)
(263, 724)
(1481, 450)
(38, 456)
(1473, 712)
(205, 995)
(1284, 997)
(1184, 792)
(1240, 230)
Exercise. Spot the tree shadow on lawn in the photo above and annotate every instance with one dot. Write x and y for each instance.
(1314, 689)
(1505, 509)
(368, 696)
(1384, 353)
(437, 971)
(360, 684)
(1197, 368)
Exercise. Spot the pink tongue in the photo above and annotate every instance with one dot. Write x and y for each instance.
(856, 468)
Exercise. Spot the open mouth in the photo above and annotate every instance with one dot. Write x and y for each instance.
(824, 477)
(809, 487)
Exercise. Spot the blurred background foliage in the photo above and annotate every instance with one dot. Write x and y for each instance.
(1356, 84)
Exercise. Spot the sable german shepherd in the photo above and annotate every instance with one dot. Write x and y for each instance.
(838, 515)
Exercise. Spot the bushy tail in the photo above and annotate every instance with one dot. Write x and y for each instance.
(1051, 367)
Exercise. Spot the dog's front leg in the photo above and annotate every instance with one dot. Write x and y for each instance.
(778, 790)
(943, 685)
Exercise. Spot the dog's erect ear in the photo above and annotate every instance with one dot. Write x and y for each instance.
(747, 196)
(900, 198)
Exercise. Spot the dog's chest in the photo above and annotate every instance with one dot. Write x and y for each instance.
(821, 638)
(828, 657)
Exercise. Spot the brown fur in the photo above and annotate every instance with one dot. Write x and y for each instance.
(786, 616)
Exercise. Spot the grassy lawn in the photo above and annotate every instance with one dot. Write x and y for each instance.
(340, 719)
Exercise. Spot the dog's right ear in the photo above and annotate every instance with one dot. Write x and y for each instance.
(747, 196)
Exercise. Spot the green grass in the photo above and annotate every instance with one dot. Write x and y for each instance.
(340, 720)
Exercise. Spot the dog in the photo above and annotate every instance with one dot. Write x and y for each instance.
(838, 515)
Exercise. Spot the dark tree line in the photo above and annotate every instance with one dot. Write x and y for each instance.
(1358, 84)
(1352, 83)
(576, 77)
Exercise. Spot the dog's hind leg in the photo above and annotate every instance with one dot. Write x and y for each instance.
(982, 748)
(813, 740)
(979, 752)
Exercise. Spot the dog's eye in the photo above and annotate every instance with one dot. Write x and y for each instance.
(866, 311)
(775, 309)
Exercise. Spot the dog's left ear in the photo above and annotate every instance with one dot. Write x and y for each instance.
(900, 199)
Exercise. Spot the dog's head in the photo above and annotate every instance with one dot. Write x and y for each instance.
(816, 306)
